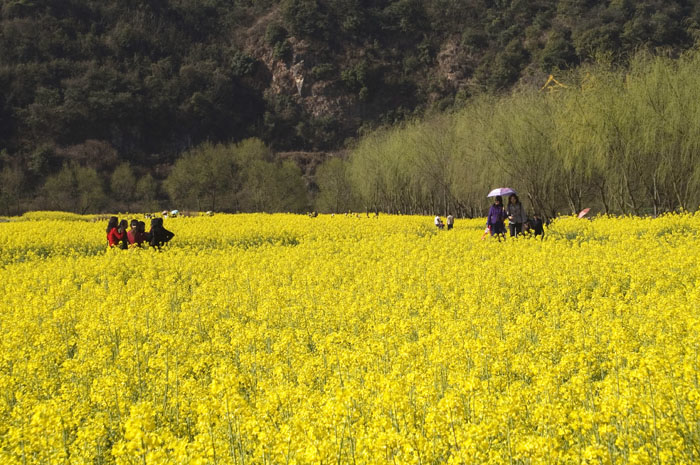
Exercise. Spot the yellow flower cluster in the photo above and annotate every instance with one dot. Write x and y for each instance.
(267, 339)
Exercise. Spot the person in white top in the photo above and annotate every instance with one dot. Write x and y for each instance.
(439, 223)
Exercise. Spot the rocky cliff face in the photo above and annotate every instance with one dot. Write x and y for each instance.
(352, 86)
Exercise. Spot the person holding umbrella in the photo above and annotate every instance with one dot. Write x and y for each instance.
(496, 218)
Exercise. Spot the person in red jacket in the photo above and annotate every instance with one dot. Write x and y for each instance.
(116, 234)
(111, 227)
(137, 233)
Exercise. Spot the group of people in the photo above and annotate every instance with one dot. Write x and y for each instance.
(118, 236)
(450, 220)
(518, 221)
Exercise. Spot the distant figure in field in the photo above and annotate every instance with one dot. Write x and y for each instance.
(438, 222)
(137, 233)
(516, 215)
(158, 235)
(496, 219)
(450, 221)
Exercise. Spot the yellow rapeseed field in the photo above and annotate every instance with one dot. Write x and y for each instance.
(283, 339)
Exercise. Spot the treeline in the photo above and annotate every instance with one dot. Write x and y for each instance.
(619, 140)
(243, 177)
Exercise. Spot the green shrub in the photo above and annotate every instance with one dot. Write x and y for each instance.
(323, 71)
(275, 33)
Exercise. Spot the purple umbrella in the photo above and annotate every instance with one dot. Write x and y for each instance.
(501, 191)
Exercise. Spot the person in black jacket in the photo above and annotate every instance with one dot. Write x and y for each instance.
(158, 235)
(536, 226)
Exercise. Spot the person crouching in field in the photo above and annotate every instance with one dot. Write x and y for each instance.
(137, 233)
(438, 222)
(495, 222)
(537, 225)
(158, 235)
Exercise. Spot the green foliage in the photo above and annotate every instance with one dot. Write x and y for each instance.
(620, 141)
(355, 77)
(273, 187)
(38, 161)
(75, 189)
(323, 130)
(323, 71)
(146, 192)
(474, 39)
(123, 184)
(12, 183)
(275, 33)
(203, 177)
(305, 18)
(335, 186)
(241, 177)
(242, 64)
(406, 16)
(558, 53)
(282, 51)
(505, 68)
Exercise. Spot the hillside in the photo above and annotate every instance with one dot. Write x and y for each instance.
(144, 80)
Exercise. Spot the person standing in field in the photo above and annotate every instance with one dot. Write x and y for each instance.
(450, 221)
(516, 215)
(496, 218)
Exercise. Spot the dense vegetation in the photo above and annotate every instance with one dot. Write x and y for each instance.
(89, 87)
(618, 140)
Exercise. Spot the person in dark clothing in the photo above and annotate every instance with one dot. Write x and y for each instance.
(537, 225)
(534, 227)
(496, 219)
(158, 235)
